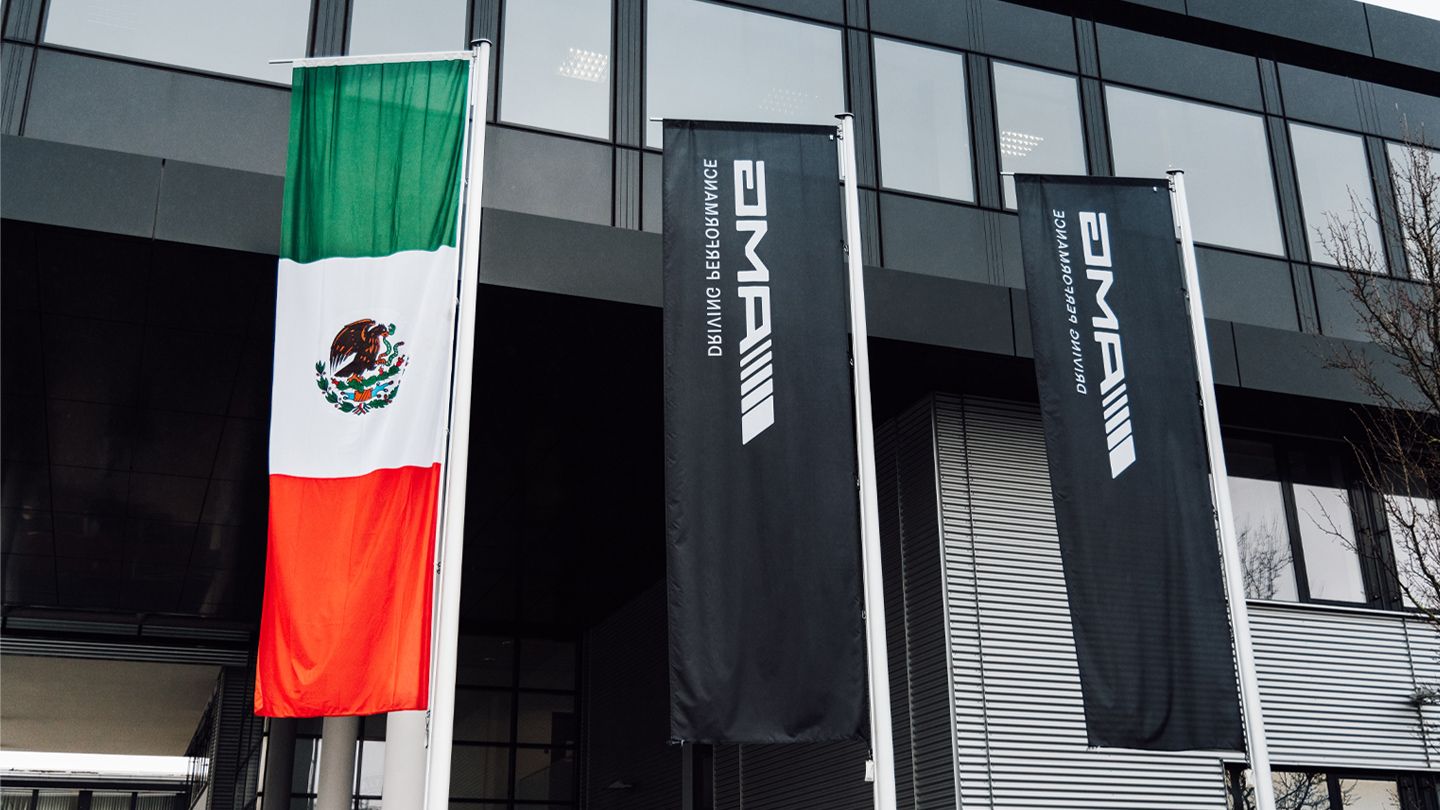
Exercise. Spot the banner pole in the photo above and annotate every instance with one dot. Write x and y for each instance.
(450, 559)
(1259, 753)
(882, 743)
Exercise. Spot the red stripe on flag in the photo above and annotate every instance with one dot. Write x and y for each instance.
(346, 625)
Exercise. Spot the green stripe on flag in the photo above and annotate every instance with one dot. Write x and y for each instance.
(374, 164)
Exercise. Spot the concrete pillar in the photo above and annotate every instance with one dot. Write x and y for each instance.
(404, 787)
(279, 764)
(335, 790)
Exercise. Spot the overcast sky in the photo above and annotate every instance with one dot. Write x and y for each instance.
(1425, 8)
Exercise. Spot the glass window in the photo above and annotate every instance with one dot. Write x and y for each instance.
(924, 131)
(1327, 530)
(1413, 536)
(555, 66)
(544, 773)
(486, 661)
(1257, 500)
(547, 664)
(482, 715)
(371, 766)
(1223, 153)
(237, 39)
(1370, 794)
(547, 719)
(712, 62)
(1334, 180)
(479, 772)
(1411, 170)
(415, 26)
(1038, 115)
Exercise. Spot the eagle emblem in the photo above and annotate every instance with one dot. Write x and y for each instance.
(363, 370)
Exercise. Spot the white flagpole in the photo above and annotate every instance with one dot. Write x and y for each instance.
(1259, 752)
(882, 743)
(450, 556)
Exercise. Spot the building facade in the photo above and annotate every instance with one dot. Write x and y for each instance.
(141, 169)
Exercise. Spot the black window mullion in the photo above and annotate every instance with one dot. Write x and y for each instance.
(1292, 520)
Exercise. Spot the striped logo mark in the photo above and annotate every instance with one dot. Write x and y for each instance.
(1117, 429)
(757, 403)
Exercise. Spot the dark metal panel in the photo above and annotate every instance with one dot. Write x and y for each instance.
(1221, 337)
(932, 237)
(1287, 189)
(870, 245)
(857, 13)
(1322, 98)
(1293, 363)
(627, 188)
(831, 11)
(942, 312)
(980, 89)
(548, 175)
(22, 20)
(1397, 111)
(15, 63)
(1270, 87)
(1246, 288)
(888, 501)
(103, 191)
(1335, 304)
(1404, 38)
(1305, 299)
(1178, 67)
(1020, 315)
(329, 27)
(943, 22)
(1332, 23)
(485, 24)
(1097, 127)
(572, 258)
(205, 205)
(862, 103)
(651, 185)
(162, 113)
(1087, 49)
(629, 88)
(1012, 31)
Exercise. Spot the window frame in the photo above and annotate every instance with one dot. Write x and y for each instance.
(1373, 551)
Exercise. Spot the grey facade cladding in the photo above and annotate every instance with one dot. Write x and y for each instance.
(185, 156)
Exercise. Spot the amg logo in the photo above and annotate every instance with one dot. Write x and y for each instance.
(1114, 402)
(757, 401)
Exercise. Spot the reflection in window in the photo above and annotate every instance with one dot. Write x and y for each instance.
(1370, 794)
(236, 39)
(1334, 180)
(543, 774)
(1415, 538)
(752, 67)
(1412, 169)
(1327, 534)
(555, 71)
(1266, 563)
(1038, 115)
(415, 26)
(479, 772)
(1223, 153)
(920, 110)
(482, 715)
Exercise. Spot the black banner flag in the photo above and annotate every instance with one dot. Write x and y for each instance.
(767, 642)
(1119, 398)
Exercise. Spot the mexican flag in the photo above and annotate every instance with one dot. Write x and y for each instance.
(364, 335)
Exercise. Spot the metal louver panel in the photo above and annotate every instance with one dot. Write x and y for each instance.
(1337, 685)
(1020, 726)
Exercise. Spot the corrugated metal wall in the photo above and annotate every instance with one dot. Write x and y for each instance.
(1020, 724)
(1336, 685)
